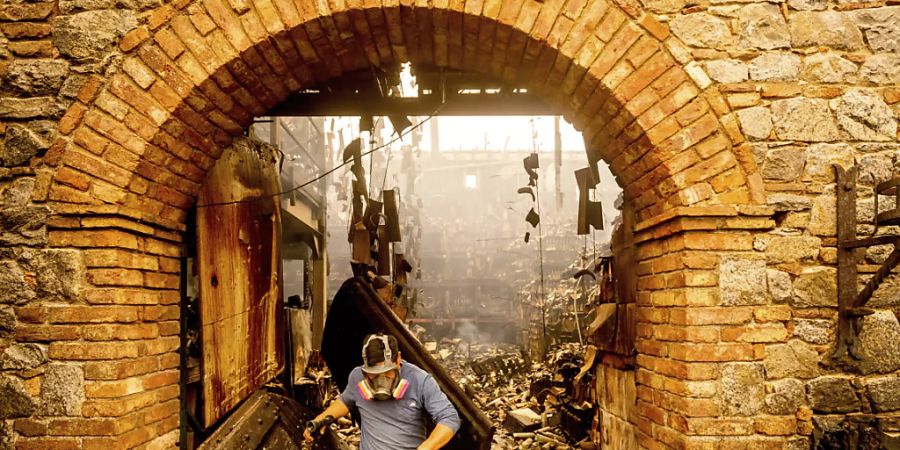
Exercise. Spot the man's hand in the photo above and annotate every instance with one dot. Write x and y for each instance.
(336, 410)
(315, 426)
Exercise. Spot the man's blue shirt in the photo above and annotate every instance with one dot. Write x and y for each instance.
(400, 424)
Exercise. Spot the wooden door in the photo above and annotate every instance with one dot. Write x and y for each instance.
(238, 250)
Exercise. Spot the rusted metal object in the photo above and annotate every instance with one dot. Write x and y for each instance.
(851, 304)
(269, 421)
(356, 312)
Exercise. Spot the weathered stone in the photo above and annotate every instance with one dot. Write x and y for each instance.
(832, 395)
(762, 26)
(789, 202)
(743, 392)
(878, 253)
(875, 168)
(742, 281)
(865, 116)
(20, 145)
(59, 273)
(784, 163)
(30, 108)
(90, 35)
(663, 6)
(887, 295)
(14, 401)
(821, 158)
(4, 46)
(808, 5)
(23, 225)
(827, 68)
(37, 76)
(795, 359)
(814, 331)
(797, 443)
(18, 193)
(701, 30)
(756, 122)
(827, 28)
(884, 393)
(23, 356)
(75, 6)
(779, 283)
(881, 69)
(727, 70)
(791, 248)
(865, 208)
(788, 395)
(823, 216)
(775, 67)
(7, 319)
(878, 338)
(881, 26)
(803, 119)
(14, 288)
(6, 431)
(62, 392)
(815, 286)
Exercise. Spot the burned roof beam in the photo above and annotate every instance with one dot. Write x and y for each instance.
(358, 104)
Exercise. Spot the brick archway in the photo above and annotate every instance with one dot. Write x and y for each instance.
(136, 145)
(193, 78)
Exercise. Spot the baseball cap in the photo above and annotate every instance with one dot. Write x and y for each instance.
(377, 348)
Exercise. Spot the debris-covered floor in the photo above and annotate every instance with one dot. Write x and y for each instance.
(532, 405)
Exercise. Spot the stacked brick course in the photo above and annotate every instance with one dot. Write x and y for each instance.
(719, 119)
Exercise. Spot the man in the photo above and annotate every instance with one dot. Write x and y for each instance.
(393, 396)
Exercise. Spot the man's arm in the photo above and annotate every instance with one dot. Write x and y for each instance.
(439, 437)
(442, 412)
(337, 409)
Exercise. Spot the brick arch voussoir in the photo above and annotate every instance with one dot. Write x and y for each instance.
(198, 79)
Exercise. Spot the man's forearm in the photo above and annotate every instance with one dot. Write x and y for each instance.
(336, 409)
(439, 437)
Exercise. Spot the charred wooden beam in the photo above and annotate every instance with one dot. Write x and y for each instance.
(356, 312)
(359, 104)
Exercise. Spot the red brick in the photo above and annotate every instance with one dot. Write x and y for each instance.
(72, 118)
(92, 314)
(30, 427)
(118, 406)
(123, 296)
(711, 352)
(115, 277)
(113, 389)
(46, 333)
(160, 379)
(134, 38)
(116, 370)
(120, 332)
(756, 333)
(48, 443)
(94, 350)
(775, 425)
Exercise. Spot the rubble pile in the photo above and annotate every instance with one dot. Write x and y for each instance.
(533, 405)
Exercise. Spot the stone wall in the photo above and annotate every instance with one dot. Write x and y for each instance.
(719, 119)
(84, 343)
(813, 83)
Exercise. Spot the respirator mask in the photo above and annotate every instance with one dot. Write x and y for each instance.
(377, 383)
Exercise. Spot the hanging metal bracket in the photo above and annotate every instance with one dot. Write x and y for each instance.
(851, 303)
